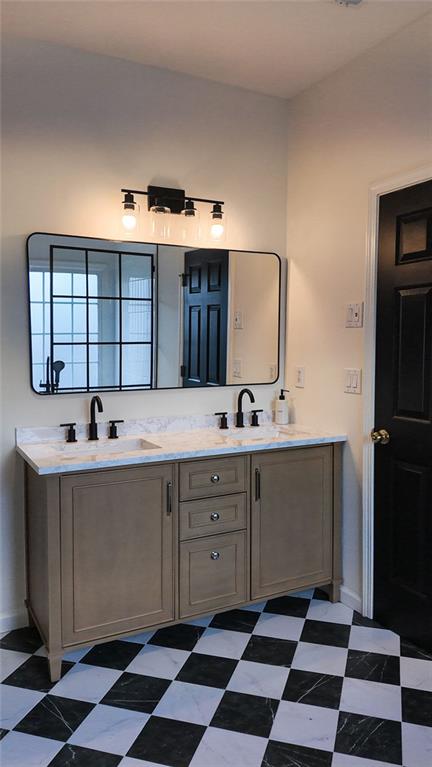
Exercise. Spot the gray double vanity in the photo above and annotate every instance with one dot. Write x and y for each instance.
(166, 519)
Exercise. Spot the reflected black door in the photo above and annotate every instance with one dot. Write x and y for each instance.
(205, 317)
(403, 467)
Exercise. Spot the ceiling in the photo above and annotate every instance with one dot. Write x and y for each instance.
(277, 47)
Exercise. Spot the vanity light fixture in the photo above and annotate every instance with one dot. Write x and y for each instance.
(163, 201)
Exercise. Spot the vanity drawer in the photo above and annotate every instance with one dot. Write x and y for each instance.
(208, 516)
(212, 573)
(200, 479)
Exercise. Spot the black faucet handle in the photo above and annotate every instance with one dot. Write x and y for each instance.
(71, 433)
(223, 421)
(113, 428)
(254, 420)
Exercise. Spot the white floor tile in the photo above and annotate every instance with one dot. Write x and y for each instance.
(332, 612)
(109, 729)
(10, 660)
(227, 644)
(324, 659)
(360, 696)
(374, 640)
(347, 760)
(256, 608)
(416, 673)
(84, 682)
(305, 594)
(201, 621)
(128, 761)
(223, 748)
(259, 679)
(20, 750)
(139, 638)
(163, 662)
(416, 745)
(15, 703)
(303, 725)
(279, 626)
(189, 702)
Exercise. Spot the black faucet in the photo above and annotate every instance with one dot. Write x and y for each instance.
(239, 414)
(93, 427)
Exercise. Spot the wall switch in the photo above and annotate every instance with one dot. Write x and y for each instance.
(299, 378)
(354, 316)
(353, 381)
(238, 320)
(236, 371)
(273, 372)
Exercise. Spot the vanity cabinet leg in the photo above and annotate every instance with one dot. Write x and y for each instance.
(333, 590)
(54, 663)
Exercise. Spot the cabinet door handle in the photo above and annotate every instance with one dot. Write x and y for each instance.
(214, 516)
(215, 555)
(215, 478)
(257, 484)
(169, 499)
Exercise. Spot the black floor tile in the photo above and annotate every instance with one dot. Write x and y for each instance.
(296, 606)
(167, 742)
(417, 706)
(409, 650)
(236, 620)
(136, 692)
(360, 620)
(209, 670)
(181, 637)
(115, 654)
(23, 640)
(369, 737)
(77, 756)
(55, 717)
(249, 714)
(287, 755)
(321, 594)
(323, 632)
(313, 689)
(276, 652)
(3, 732)
(33, 674)
(373, 666)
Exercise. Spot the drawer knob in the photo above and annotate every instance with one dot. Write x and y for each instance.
(214, 516)
(215, 478)
(215, 555)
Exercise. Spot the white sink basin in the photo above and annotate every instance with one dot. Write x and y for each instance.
(103, 446)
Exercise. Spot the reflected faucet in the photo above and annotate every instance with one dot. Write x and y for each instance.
(93, 427)
(239, 414)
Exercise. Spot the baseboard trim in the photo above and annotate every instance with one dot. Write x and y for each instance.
(350, 599)
(11, 621)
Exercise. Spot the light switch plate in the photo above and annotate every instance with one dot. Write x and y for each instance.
(353, 381)
(238, 320)
(237, 367)
(299, 377)
(354, 315)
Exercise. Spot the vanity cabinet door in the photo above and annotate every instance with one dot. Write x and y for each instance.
(117, 551)
(292, 519)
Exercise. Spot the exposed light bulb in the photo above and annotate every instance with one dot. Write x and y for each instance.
(217, 230)
(129, 220)
(217, 227)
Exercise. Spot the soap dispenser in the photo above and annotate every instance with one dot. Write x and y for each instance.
(281, 409)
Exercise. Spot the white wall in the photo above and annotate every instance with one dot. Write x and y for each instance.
(77, 128)
(367, 122)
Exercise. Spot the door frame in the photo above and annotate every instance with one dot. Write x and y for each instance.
(376, 190)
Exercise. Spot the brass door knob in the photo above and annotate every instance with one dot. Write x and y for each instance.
(380, 436)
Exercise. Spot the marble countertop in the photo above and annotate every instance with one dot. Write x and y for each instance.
(155, 440)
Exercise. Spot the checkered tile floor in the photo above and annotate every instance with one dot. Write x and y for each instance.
(294, 682)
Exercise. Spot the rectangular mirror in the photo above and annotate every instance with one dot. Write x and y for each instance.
(108, 315)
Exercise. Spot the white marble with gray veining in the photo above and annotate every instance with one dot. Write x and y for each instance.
(158, 439)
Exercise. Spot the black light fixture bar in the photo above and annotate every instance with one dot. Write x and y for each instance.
(165, 194)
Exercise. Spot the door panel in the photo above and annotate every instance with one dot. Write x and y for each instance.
(403, 406)
(291, 519)
(205, 318)
(117, 560)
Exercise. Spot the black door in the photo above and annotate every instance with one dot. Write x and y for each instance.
(403, 407)
(205, 318)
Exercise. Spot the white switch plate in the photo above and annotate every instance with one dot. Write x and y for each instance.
(354, 315)
(300, 377)
(273, 371)
(238, 320)
(237, 366)
(353, 381)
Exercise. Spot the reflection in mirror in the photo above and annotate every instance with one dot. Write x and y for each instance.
(122, 315)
